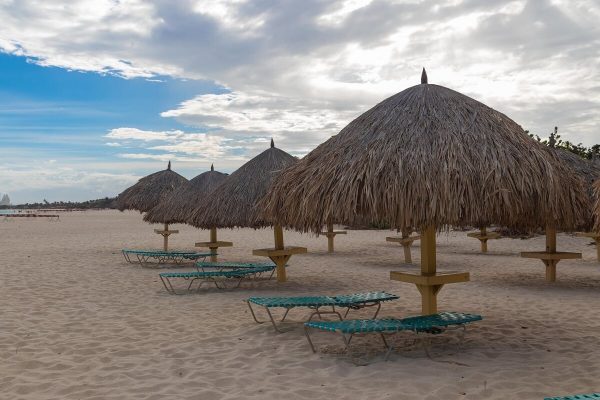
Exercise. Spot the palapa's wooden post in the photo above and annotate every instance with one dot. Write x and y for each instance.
(330, 237)
(213, 239)
(483, 236)
(280, 261)
(483, 241)
(165, 234)
(428, 268)
(550, 248)
(406, 245)
(405, 240)
(550, 257)
(280, 255)
(166, 238)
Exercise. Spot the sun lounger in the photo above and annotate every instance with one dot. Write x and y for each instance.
(218, 278)
(577, 397)
(223, 265)
(154, 257)
(315, 303)
(432, 324)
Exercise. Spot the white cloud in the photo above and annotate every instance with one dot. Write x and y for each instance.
(299, 71)
(113, 144)
(60, 179)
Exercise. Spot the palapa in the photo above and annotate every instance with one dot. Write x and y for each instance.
(175, 208)
(589, 171)
(428, 157)
(233, 203)
(148, 192)
(597, 205)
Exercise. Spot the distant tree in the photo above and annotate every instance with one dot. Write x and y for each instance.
(556, 142)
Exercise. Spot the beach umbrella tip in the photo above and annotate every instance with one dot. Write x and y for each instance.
(272, 143)
(169, 166)
(212, 167)
(423, 76)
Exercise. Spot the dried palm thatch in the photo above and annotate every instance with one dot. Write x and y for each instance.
(597, 205)
(150, 190)
(232, 204)
(428, 156)
(175, 207)
(588, 170)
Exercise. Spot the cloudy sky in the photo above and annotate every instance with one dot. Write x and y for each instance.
(95, 94)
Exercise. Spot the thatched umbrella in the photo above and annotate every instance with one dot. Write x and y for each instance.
(428, 157)
(175, 208)
(589, 171)
(233, 203)
(597, 205)
(148, 192)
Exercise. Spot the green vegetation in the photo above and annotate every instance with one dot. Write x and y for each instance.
(555, 141)
(106, 202)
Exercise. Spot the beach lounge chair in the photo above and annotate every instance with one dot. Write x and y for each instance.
(156, 257)
(430, 324)
(218, 278)
(223, 265)
(589, 396)
(352, 301)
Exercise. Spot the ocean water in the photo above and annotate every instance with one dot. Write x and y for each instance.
(4, 212)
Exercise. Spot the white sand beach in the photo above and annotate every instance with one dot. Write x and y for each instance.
(78, 322)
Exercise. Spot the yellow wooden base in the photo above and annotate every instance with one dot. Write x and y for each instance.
(330, 237)
(214, 247)
(483, 238)
(163, 232)
(406, 242)
(429, 285)
(280, 257)
(550, 260)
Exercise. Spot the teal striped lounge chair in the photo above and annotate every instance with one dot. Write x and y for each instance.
(351, 301)
(157, 257)
(223, 265)
(590, 396)
(217, 277)
(431, 324)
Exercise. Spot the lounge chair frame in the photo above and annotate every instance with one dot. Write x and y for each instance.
(316, 306)
(176, 258)
(217, 278)
(426, 341)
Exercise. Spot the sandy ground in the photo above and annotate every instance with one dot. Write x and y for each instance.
(77, 322)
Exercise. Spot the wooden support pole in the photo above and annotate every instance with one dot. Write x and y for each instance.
(428, 260)
(597, 240)
(550, 239)
(213, 239)
(166, 238)
(279, 261)
(550, 248)
(483, 241)
(428, 268)
(330, 237)
(406, 246)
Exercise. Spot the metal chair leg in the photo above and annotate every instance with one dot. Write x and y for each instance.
(306, 329)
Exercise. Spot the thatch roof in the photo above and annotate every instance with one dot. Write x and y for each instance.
(150, 190)
(428, 156)
(232, 204)
(588, 170)
(597, 204)
(175, 208)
